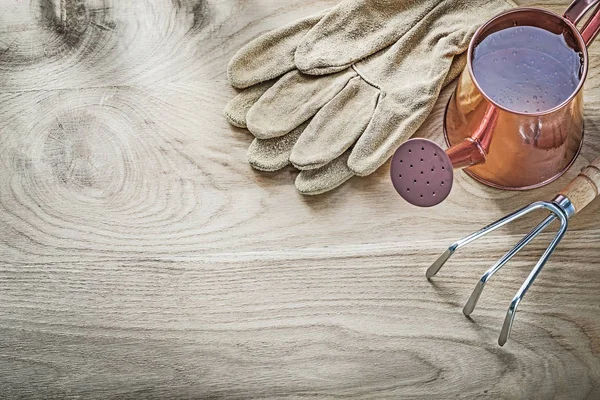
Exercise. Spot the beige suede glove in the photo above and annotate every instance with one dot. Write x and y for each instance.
(253, 69)
(357, 117)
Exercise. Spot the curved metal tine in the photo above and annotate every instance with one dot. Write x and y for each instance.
(439, 263)
(512, 309)
(472, 302)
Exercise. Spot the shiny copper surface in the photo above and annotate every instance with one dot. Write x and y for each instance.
(512, 150)
(591, 27)
(577, 10)
(473, 150)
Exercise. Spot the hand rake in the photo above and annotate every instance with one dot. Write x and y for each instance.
(581, 192)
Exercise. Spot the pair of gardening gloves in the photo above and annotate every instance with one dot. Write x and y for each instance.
(335, 94)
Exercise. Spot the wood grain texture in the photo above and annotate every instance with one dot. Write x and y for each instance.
(141, 257)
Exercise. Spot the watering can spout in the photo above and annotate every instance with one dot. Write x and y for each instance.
(473, 150)
(422, 172)
(467, 153)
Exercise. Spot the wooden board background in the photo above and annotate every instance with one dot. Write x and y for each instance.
(141, 257)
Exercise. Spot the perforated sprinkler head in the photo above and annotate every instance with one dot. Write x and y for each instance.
(422, 173)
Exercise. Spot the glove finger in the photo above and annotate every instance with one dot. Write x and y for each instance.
(270, 55)
(238, 107)
(326, 178)
(273, 154)
(294, 99)
(458, 65)
(337, 126)
(392, 124)
(416, 74)
(355, 29)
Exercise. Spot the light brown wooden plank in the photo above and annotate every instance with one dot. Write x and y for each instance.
(141, 257)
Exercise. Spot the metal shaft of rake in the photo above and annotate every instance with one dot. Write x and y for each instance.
(439, 263)
(559, 211)
(512, 309)
(472, 302)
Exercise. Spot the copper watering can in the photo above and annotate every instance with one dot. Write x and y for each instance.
(498, 146)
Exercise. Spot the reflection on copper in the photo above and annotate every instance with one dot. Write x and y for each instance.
(473, 150)
(591, 28)
(511, 150)
(577, 10)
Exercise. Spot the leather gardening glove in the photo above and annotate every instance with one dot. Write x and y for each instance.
(351, 121)
(253, 69)
(256, 67)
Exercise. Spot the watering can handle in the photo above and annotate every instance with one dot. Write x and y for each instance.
(585, 188)
(575, 13)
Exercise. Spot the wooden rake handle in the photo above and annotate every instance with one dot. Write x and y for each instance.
(585, 188)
